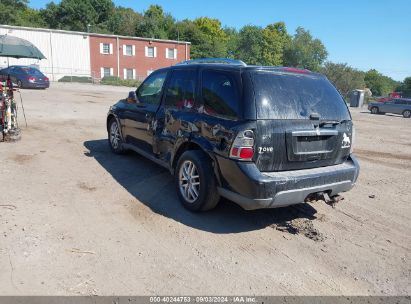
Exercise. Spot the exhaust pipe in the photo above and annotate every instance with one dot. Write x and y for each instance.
(324, 196)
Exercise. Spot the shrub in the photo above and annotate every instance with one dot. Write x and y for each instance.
(116, 81)
(82, 79)
(110, 78)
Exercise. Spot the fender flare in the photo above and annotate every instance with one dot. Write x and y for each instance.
(204, 146)
(111, 115)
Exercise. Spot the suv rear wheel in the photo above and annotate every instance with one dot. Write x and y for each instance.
(374, 110)
(114, 137)
(406, 114)
(195, 180)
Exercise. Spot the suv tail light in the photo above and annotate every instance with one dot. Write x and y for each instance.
(243, 146)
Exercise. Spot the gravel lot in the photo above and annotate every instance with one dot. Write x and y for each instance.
(77, 219)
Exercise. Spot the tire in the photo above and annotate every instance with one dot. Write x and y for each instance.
(375, 110)
(19, 84)
(114, 137)
(193, 167)
(406, 114)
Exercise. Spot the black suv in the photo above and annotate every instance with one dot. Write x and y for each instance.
(263, 137)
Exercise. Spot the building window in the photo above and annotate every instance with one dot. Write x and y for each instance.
(129, 50)
(171, 53)
(106, 72)
(151, 51)
(129, 74)
(105, 49)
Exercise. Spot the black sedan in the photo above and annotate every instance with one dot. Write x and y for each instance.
(25, 77)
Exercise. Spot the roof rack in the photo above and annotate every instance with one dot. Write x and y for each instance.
(214, 61)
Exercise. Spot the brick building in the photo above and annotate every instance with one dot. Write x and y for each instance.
(97, 55)
(133, 58)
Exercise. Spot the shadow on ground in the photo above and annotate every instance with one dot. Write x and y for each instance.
(153, 186)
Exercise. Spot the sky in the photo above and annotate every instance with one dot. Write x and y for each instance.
(364, 33)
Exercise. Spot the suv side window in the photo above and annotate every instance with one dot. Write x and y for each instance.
(150, 91)
(180, 92)
(220, 95)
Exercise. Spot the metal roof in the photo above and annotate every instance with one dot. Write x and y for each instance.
(12, 27)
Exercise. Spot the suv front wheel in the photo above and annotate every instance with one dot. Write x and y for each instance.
(195, 180)
(114, 137)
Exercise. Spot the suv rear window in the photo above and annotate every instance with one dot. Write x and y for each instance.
(181, 90)
(220, 94)
(294, 96)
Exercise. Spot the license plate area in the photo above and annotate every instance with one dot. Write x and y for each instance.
(311, 145)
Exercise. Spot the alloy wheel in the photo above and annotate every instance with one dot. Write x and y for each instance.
(189, 181)
(114, 135)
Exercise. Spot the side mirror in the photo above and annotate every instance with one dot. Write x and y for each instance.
(132, 98)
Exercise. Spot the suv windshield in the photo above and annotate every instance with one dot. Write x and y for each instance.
(294, 96)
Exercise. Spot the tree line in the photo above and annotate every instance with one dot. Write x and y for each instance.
(270, 45)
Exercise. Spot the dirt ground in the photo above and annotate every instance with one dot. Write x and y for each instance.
(77, 219)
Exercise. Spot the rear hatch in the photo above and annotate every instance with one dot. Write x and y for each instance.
(302, 121)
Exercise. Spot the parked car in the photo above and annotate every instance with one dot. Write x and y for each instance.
(263, 137)
(384, 99)
(25, 77)
(391, 96)
(400, 106)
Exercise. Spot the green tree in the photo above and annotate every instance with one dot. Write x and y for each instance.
(207, 37)
(379, 84)
(405, 87)
(344, 77)
(215, 38)
(305, 51)
(275, 41)
(250, 45)
(77, 15)
(232, 42)
(187, 30)
(9, 10)
(155, 23)
(123, 21)
(16, 12)
(52, 15)
(29, 17)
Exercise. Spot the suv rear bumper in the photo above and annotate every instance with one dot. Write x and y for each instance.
(252, 189)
